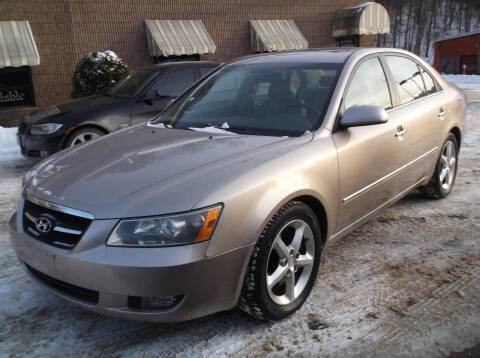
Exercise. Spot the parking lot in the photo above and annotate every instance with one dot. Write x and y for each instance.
(406, 283)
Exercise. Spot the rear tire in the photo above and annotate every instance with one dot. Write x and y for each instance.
(443, 179)
(284, 264)
(82, 135)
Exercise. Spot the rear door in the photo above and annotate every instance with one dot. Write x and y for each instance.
(165, 89)
(368, 156)
(418, 105)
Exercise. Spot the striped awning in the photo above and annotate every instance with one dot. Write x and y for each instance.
(276, 35)
(369, 18)
(17, 46)
(178, 37)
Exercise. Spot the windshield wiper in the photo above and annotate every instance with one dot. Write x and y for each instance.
(239, 130)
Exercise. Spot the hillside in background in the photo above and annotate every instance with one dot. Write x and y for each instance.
(416, 24)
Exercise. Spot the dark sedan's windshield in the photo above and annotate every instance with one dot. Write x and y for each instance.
(266, 99)
(132, 84)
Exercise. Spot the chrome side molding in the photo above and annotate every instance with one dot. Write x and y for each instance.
(388, 176)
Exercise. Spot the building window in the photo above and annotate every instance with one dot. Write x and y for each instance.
(16, 88)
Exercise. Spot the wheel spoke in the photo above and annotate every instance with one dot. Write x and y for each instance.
(280, 247)
(277, 276)
(444, 160)
(297, 238)
(304, 260)
(290, 286)
(451, 163)
(443, 174)
(448, 150)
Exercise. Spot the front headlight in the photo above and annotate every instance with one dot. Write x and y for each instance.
(171, 230)
(47, 128)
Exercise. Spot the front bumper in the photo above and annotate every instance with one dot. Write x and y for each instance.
(39, 146)
(206, 285)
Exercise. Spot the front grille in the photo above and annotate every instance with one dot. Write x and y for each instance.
(81, 293)
(153, 303)
(64, 231)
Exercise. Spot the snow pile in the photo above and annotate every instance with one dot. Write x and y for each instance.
(211, 129)
(97, 72)
(97, 56)
(465, 82)
(8, 143)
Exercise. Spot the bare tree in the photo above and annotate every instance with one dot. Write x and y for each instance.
(415, 24)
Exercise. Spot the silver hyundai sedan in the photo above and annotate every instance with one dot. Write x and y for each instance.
(231, 196)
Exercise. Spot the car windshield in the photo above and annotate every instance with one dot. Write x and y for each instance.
(132, 84)
(266, 99)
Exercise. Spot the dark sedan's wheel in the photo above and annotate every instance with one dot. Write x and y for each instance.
(82, 136)
(443, 179)
(284, 264)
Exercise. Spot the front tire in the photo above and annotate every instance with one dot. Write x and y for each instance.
(443, 180)
(284, 264)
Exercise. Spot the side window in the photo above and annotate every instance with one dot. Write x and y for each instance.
(429, 82)
(260, 93)
(173, 83)
(225, 88)
(206, 70)
(407, 77)
(368, 86)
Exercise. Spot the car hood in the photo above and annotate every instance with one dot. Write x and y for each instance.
(46, 114)
(144, 170)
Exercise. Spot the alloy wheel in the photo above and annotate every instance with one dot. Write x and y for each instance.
(448, 165)
(290, 262)
(84, 137)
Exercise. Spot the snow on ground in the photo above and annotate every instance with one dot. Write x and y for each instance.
(9, 148)
(465, 82)
(407, 283)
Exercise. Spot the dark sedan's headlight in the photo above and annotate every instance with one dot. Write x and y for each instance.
(46, 128)
(170, 230)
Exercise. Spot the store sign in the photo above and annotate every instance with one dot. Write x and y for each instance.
(16, 96)
(16, 87)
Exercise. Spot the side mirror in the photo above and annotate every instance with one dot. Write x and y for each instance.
(148, 102)
(364, 115)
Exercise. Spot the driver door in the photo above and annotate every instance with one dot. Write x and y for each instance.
(163, 91)
(368, 156)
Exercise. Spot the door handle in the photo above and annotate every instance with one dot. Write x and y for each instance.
(401, 131)
(442, 113)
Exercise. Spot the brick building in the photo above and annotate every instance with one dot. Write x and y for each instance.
(55, 34)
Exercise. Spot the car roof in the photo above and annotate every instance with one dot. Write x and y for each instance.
(179, 64)
(323, 55)
(309, 55)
